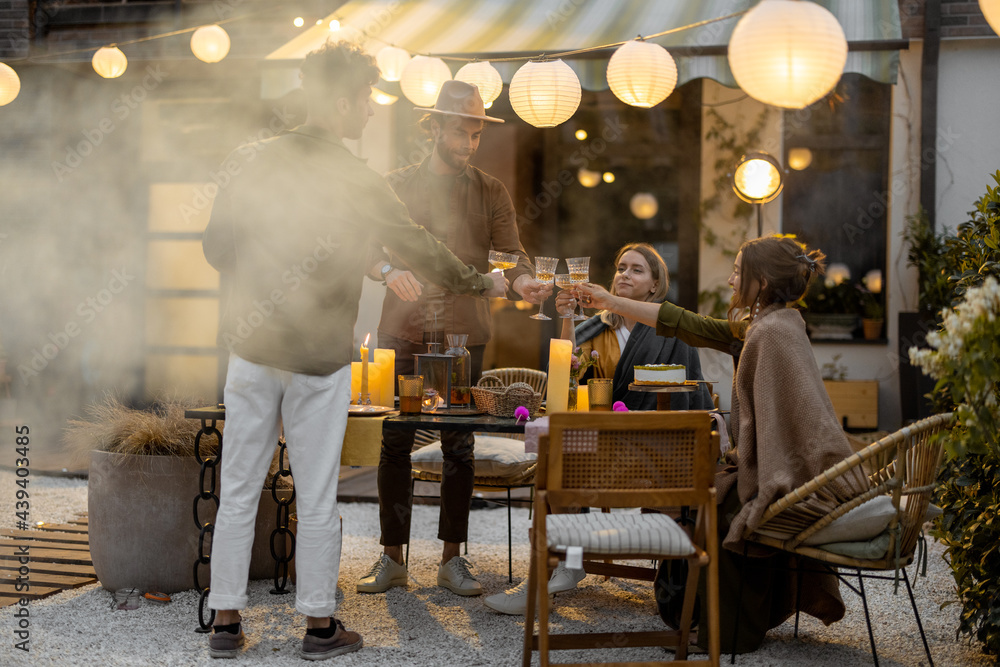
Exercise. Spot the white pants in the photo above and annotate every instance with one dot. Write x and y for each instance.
(313, 410)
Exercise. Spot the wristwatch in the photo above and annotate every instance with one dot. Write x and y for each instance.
(386, 268)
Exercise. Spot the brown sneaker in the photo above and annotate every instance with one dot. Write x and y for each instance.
(225, 644)
(343, 641)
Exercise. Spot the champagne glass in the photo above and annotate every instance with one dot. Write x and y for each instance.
(501, 261)
(563, 283)
(545, 270)
(579, 272)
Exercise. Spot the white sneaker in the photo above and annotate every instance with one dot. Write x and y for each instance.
(515, 600)
(385, 574)
(455, 576)
(564, 579)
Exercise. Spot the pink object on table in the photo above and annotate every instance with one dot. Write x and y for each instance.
(619, 407)
(521, 413)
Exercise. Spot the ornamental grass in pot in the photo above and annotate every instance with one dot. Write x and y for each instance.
(144, 478)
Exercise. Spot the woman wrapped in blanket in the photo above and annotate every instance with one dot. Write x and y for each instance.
(783, 425)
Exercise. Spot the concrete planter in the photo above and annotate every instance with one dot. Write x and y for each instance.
(142, 529)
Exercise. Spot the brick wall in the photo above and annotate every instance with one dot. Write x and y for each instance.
(959, 18)
(14, 26)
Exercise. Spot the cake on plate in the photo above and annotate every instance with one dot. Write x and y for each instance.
(664, 374)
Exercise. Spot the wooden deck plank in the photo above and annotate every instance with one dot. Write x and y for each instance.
(44, 579)
(46, 536)
(68, 569)
(50, 555)
(35, 592)
(34, 545)
(62, 528)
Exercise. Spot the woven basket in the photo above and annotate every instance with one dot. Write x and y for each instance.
(493, 397)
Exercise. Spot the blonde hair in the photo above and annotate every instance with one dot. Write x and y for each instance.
(782, 268)
(657, 269)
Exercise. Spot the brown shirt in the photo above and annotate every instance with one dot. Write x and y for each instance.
(471, 214)
(290, 232)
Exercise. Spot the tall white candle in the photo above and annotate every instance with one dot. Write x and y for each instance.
(557, 398)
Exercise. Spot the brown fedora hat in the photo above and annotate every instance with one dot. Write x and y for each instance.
(458, 98)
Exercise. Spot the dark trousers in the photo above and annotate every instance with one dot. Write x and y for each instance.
(394, 488)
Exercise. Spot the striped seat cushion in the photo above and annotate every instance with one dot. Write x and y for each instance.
(617, 533)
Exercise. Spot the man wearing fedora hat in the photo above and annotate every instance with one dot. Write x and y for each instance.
(472, 213)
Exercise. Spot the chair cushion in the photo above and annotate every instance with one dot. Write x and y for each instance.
(872, 549)
(618, 533)
(495, 457)
(861, 523)
(864, 522)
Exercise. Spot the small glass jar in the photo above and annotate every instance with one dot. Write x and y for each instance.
(127, 599)
(461, 370)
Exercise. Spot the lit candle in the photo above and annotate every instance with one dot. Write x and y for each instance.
(582, 399)
(385, 362)
(355, 380)
(560, 351)
(364, 368)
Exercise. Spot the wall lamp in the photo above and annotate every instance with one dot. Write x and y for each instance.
(758, 179)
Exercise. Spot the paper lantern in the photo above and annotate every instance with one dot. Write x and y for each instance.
(10, 84)
(382, 97)
(588, 178)
(546, 93)
(485, 77)
(391, 62)
(210, 43)
(787, 53)
(991, 10)
(643, 205)
(109, 62)
(422, 80)
(642, 74)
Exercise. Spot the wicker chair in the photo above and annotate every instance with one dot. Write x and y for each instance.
(624, 460)
(904, 464)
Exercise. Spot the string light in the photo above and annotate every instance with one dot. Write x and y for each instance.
(391, 62)
(485, 77)
(298, 22)
(210, 43)
(642, 74)
(109, 62)
(545, 93)
(422, 80)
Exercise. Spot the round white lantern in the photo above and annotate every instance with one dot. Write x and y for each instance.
(10, 84)
(588, 178)
(643, 205)
(546, 93)
(642, 74)
(382, 97)
(991, 10)
(391, 62)
(787, 53)
(109, 62)
(210, 43)
(422, 80)
(485, 77)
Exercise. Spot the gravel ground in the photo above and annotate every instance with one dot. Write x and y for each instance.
(426, 625)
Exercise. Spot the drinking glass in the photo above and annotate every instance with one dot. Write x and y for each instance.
(579, 272)
(563, 283)
(501, 261)
(545, 270)
(599, 393)
(411, 394)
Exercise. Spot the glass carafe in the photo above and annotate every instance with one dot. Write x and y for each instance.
(461, 370)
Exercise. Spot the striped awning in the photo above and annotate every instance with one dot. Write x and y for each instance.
(495, 29)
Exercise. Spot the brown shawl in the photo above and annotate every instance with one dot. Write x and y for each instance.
(783, 424)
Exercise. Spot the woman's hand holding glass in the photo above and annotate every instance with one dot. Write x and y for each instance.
(565, 301)
(579, 273)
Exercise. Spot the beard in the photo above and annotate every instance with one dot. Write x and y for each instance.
(453, 159)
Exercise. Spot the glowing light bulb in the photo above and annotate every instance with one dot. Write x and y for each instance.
(298, 22)
(608, 176)
(581, 134)
(334, 25)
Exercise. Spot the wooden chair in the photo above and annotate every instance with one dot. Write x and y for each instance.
(624, 460)
(902, 469)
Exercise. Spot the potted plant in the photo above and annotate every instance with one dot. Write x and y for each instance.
(832, 308)
(873, 314)
(143, 480)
